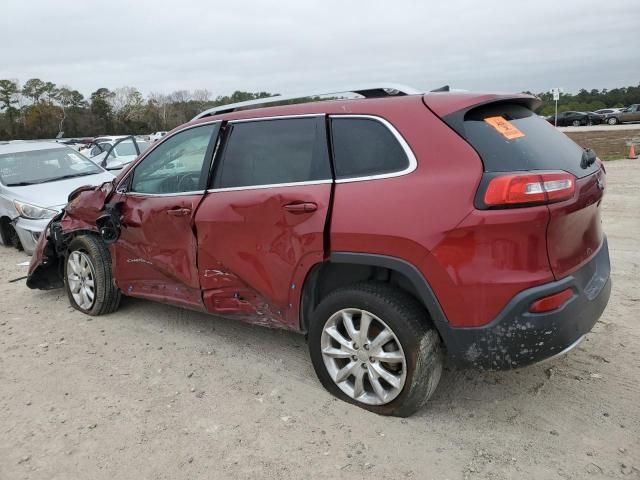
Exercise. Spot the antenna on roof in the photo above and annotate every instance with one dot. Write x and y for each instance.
(367, 91)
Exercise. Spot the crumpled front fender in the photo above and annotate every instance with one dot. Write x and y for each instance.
(80, 215)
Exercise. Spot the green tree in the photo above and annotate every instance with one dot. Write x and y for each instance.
(101, 106)
(8, 92)
(34, 88)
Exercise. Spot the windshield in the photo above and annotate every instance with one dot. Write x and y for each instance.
(40, 166)
(127, 148)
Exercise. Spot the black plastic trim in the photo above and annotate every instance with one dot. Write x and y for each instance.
(422, 287)
(517, 337)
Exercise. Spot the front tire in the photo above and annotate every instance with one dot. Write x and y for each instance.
(576, 123)
(612, 121)
(88, 278)
(372, 345)
(9, 235)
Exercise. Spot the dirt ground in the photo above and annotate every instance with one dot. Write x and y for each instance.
(607, 141)
(158, 392)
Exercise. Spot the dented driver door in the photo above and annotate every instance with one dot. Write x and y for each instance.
(155, 255)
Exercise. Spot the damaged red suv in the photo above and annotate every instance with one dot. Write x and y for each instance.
(391, 230)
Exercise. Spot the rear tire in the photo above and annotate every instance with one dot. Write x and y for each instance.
(576, 123)
(88, 278)
(401, 372)
(612, 121)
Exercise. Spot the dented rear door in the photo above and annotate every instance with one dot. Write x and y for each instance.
(261, 225)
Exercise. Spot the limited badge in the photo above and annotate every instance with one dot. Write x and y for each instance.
(504, 127)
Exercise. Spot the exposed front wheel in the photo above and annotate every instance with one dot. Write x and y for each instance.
(88, 276)
(372, 345)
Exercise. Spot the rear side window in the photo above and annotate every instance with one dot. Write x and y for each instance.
(535, 144)
(266, 152)
(365, 147)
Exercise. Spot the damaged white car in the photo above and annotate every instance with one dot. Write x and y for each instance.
(35, 180)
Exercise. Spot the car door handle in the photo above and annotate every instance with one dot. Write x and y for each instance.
(179, 212)
(301, 207)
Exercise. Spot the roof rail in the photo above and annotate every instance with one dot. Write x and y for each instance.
(367, 91)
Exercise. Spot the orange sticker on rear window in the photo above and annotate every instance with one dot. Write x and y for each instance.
(504, 127)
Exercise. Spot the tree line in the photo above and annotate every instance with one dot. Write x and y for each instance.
(39, 109)
(589, 100)
(42, 109)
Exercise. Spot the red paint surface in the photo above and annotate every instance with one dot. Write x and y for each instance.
(241, 253)
(254, 253)
(575, 229)
(155, 256)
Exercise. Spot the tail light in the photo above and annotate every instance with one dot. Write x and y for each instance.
(524, 189)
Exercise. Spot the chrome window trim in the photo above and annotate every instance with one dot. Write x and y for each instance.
(176, 194)
(413, 163)
(149, 151)
(273, 185)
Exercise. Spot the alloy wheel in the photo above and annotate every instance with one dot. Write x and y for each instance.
(363, 356)
(81, 279)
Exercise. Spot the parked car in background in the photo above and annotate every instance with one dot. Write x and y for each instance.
(388, 230)
(576, 119)
(76, 143)
(156, 136)
(115, 153)
(607, 111)
(626, 115)
(35, 181)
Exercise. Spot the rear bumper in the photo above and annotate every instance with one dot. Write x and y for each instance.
(516, 337)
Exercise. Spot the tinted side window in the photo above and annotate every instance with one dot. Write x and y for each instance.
(268, 152)
(175, 166)
(364, 147)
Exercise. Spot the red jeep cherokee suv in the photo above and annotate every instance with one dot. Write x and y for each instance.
(389, 229)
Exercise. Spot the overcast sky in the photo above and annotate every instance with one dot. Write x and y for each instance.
(291, 46)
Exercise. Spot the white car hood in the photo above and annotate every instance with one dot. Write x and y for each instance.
(54, 194)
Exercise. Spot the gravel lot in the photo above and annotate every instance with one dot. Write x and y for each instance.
(157, 392)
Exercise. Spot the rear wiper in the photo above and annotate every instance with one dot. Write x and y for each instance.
(588, 158)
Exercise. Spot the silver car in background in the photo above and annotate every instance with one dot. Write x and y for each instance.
(116, 152)
(35, 180)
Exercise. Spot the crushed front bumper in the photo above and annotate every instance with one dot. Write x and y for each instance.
(516, 337)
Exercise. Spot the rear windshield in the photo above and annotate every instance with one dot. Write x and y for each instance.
(510, 137)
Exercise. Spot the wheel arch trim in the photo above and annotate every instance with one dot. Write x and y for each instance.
(418, 281)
